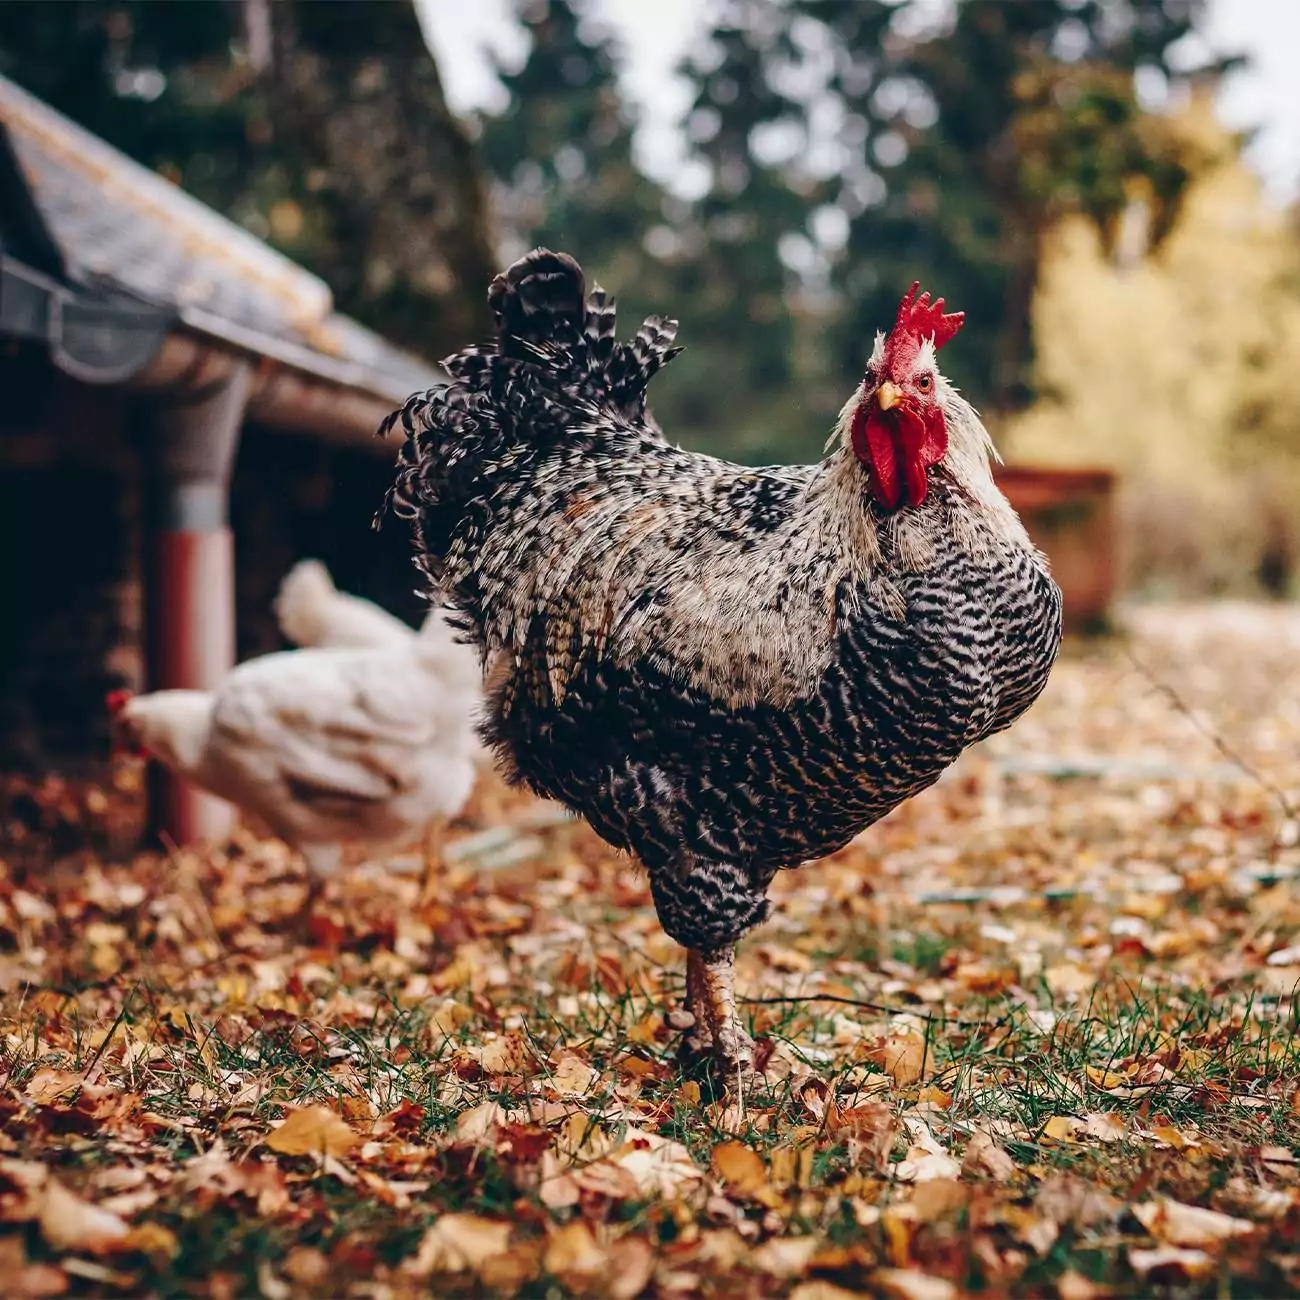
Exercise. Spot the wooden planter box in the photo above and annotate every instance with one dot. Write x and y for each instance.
(1070, 514)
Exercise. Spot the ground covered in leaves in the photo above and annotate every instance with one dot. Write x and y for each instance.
(1034, 1034)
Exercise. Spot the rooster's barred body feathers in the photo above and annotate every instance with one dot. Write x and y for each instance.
(726, 670)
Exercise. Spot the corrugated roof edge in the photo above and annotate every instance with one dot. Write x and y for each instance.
(391, 387)
(145, 190)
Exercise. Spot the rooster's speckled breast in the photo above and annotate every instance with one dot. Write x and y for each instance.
(664, 770)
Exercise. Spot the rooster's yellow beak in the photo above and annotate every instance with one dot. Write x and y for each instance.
(888, 396)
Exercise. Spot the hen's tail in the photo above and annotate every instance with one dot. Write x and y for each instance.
(312, 611)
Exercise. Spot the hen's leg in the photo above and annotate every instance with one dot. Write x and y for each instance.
(706, 906)
(429, 885)
(323, 861)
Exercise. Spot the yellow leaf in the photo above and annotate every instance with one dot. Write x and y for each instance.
(447, 1020)
(741, 1168)
(647, 1030)
(313, 1131)
(1105, 1078)
(690, 1092)
(935, 1096)
(1060, 1128)
(153, 1239)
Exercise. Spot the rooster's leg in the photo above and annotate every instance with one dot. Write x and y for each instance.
(699, 1037)
(733, 1049)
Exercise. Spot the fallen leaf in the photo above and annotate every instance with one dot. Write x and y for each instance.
(744, 1172)
(69, 1223)
(983, 1158)
(819, 1290)
(313, 1131)
(574, 1257)
(571, 1076)
(1171, 1264)
(1105, 1126)
(1176, 1224)
(48, 1085)
(912, 1284)
(458, 1243)
(903, 1057)
(784, 1256)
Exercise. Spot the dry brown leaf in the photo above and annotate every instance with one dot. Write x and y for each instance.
(903, 1057)
(912, 1284)
(458, 1243)
(69, 1223)
(48, 1085)
(1171, 1264)
(819, 1290)
(983, 1158)
(784, 1256)
(1189, 1225)
(1105, 1126)
(575, 1257)
(507, 1054)
(1074, 1286)
(313, 1131)
(744, 1172)
(571, 1076)
(632, 1265)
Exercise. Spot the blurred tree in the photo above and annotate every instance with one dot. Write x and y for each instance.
(988, 131)
(562, 155)
(320, 126)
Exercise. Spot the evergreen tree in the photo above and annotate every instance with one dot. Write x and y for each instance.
(320, 126)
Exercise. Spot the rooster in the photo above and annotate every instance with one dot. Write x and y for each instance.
(363, 746)
(727, 671)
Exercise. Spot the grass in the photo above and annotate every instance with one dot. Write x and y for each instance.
(1087, 1087)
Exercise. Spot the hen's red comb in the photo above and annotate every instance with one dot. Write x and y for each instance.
(118, 700)
(923, 318)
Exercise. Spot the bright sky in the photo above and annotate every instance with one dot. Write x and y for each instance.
(656, 34)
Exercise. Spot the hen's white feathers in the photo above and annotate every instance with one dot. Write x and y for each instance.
(362, 745)
(312, 611)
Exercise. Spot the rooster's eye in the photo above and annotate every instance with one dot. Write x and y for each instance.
(924, 383)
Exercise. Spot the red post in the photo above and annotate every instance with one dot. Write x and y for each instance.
(191, 605)
(193, 648)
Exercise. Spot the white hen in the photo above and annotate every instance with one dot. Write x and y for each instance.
(312, 611)
(366, 746)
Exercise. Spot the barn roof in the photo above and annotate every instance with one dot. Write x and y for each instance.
(124, 234)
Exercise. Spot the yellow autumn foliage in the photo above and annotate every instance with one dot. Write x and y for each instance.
(1180, 370)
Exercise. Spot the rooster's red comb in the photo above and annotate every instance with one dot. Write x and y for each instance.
(118, 700)
(919, 316)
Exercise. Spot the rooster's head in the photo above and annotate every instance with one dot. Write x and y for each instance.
(898, 428)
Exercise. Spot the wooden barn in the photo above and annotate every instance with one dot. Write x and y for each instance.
(184, 414)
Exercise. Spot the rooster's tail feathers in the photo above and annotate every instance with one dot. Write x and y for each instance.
(540, 299)
(545, 316)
